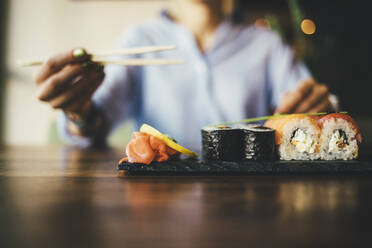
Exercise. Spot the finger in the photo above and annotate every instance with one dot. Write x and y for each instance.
(284, 103)
(59, 82)
(323, 106)
(318, 93)
(84, 86)
(80, 89)
(56, 63)
(292, 100)
(82, 104)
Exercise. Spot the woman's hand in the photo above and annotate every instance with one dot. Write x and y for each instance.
(309, 97)
(68, 81)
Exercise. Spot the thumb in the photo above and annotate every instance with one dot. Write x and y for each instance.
(283, 105)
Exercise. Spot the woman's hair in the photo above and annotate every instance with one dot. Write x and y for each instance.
(244, 9)
(238, 13)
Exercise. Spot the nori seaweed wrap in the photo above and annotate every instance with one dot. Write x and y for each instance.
(259, 143)
(223, 143)
(227, 143)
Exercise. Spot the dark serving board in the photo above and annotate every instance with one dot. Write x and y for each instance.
(188, 166)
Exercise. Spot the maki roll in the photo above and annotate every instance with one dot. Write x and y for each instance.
(297, 137)
(226, 143)
(340, 137)
(259, 143)
(222, 143)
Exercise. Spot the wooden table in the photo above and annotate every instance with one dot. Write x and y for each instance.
(65, 197)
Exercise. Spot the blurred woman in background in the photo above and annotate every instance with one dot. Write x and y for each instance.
(233, 71)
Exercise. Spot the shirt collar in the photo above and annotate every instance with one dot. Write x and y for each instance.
(223, 32)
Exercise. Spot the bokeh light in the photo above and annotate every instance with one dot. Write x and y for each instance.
(308, 26)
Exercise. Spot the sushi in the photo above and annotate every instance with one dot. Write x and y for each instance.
(150, 145)
(297, 137)
(222, 143)
(238, 143)
(334, 136)
(259, 143)
(319, 136)
(340, 137)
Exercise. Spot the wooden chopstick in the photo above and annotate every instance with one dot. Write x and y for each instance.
(132, 51)
(127, 62)
(141, 62)
(30, 62)
(128, 51)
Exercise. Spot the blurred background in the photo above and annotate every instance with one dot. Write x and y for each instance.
(332, 37)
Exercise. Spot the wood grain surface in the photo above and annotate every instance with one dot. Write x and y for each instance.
(66, 197)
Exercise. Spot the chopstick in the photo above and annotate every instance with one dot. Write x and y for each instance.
(132, 51)
(127, 62)
(141, 62)
(128, 51)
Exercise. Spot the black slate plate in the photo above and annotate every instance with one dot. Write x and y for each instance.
(184, 167)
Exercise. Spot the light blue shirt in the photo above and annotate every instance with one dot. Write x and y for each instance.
(243, 75)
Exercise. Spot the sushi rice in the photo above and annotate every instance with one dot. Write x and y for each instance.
(297, 137)
(338, 140)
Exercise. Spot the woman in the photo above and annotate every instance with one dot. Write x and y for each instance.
(232, 72)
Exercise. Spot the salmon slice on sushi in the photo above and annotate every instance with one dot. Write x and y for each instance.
(297, 137)
(340, 137)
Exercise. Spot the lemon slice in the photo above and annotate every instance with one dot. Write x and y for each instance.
(152, 131)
